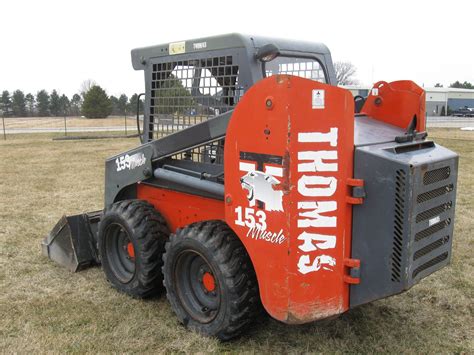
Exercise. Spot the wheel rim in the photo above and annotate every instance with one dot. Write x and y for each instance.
(120, 252)
(196, 285)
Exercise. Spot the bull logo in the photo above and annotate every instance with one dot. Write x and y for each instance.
(261, 177)
(259, 186)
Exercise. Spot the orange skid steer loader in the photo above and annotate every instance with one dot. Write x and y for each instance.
(260, 183)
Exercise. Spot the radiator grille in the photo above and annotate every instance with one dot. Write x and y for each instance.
(432, 230)
(397, 247)
(184, 93)
(430, 247)
(430, 242)
(430, 263)
(435, 211)
(430, 177)
(429, 195)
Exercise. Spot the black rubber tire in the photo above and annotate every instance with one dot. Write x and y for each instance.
(147, 231)
(235, 281)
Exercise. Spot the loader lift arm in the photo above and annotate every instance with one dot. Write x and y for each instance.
(116, 179)
(72, 243)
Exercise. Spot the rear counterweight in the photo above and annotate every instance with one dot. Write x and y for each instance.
(403, 231)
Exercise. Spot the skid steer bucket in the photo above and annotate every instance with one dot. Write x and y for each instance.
(73, 241)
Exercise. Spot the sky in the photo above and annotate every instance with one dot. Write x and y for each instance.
(59, 44)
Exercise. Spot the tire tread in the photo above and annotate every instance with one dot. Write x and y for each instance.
(150, 230)
(239, 275)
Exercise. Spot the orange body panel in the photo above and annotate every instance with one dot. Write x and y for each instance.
(288, 158)
(180, 209)
(396, 103)
(288, 176)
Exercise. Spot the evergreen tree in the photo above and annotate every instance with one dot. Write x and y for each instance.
(132, 105)
(122, 104)
(114, 103)
(174, 88)
(64, 105)
(86, 86)
(459, 85)
(18, 104)
(42, 103)
(30, 104)
(6, 102)
(54, 104)
(96, 103)
(76, 104)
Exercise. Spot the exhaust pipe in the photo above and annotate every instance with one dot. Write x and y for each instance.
(72, 243)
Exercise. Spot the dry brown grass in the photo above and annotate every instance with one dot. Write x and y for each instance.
(45, 308)
(71, 122)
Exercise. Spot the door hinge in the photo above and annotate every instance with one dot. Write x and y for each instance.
(357, 191)
(353, 266)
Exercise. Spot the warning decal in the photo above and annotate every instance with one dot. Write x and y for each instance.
(177, 48)
(318, 99)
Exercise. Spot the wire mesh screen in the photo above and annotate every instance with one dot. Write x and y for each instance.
(303, 67)
(184, 93)
(211, 153)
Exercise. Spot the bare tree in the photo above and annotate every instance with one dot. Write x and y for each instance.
(345, 72)
(86, 86)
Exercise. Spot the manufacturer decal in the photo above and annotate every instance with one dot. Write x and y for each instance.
(257, 232)
(199, 45)
(323, 261)
(260, 176)
(434, 220)
(130, 162)
(316, 211)
(259, 187)
(262, 173)
(177, 48)
(256, 222)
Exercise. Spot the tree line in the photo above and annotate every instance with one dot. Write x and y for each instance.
(458, 85)
(93, 102)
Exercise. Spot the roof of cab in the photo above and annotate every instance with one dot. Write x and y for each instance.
(232, 40)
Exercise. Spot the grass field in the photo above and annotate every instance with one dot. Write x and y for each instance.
(45, 308)
(72, 122)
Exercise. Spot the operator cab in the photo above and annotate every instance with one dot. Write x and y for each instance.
(189, 82)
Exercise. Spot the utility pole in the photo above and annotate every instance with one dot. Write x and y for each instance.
(446, 93)
(3, 121)
(125, 121)
(65, 126)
